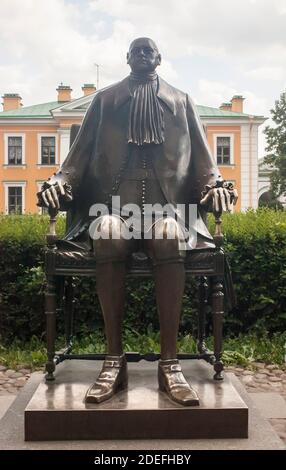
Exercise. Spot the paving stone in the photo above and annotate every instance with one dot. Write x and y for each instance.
(25, 371)
(248, 372)
(20, 382)
(6, 385)
(258, 365)
(272, 367)
(282, 436)
(279, 372)
(9, 372)
(261, 376)
(279, 427)
(2, 368)
(5, 403)
(16, 375)
(247, 379)
(271, 405)
(274, 379)
(251, 385)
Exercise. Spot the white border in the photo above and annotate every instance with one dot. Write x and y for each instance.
(14, 134)
(47, 134)
(224, 134)
(14, 184)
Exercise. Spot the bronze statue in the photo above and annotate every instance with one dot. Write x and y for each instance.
(142, 140)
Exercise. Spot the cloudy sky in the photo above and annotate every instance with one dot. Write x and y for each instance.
(212, 49)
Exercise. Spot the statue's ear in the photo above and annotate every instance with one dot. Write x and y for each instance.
(127, 57)
(159, 58)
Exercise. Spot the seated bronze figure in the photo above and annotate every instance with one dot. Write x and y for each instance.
(141, 140)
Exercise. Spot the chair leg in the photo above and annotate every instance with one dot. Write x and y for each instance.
(203, 302)
(50, 310)
(217, 300)
(69, 312)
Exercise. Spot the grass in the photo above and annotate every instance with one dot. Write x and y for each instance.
(242, 351)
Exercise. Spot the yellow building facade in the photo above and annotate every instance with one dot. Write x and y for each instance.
(34, 141)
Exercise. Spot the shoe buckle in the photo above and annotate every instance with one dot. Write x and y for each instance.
(110, 363)
(175, 367)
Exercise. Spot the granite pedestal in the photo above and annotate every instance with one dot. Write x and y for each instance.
(57, 410)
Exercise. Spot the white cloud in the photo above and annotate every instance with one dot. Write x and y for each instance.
(212, 93)
(266, 73)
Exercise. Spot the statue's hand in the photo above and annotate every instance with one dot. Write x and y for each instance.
(51, 194)
(222, 196)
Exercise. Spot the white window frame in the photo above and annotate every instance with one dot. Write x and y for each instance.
(40, 148)
(14, 184)
(6, 140)
(215, 136)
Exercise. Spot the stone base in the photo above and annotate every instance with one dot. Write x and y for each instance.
(57, 410)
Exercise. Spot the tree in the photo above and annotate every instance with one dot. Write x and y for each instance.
(276, 147)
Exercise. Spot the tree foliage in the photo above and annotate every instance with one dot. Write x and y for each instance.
(276, 147)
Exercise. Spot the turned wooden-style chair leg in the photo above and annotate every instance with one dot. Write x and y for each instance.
(217, 300)
(69, 313)
(50, 310)
(203, 303)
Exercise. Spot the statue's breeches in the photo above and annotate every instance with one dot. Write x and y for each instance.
(164, 244)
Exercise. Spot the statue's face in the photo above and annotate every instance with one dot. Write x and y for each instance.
(143, 55)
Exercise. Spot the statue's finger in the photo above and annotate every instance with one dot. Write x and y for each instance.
(216, 201)
(205, 199)
(227, 199)
(62, 191)
(45, 199)
(50, 199)
(235, 196)
(55, 196)
(222, 199)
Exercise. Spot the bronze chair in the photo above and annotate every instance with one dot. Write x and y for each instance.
(62, 266)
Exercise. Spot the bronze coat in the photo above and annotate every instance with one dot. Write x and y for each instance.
(183, 163)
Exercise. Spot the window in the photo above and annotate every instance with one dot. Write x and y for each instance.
(48, 151)
(14, 150)
(15, 200)
(223, 150)
(14, 197)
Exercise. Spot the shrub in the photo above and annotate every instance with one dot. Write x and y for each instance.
(254, 241)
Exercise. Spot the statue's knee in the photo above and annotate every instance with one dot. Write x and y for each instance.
(108, 243)
(167, 240)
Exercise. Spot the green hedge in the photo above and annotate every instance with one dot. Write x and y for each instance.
(255, 243)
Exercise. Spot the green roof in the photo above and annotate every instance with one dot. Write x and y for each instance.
(42, 111)
(206, 111)
(36, 111)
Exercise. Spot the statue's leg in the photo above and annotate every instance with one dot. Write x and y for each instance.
(169, 272)
(110, 251)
